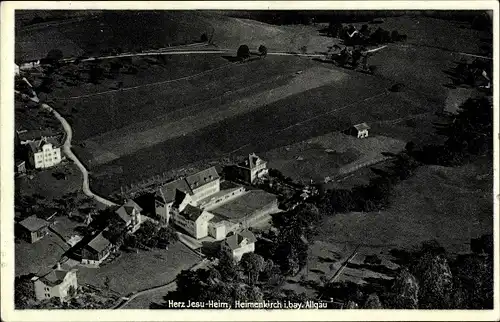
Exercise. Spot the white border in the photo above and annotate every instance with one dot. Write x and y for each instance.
(7, 182)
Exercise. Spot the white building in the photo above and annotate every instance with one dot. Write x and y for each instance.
(361, 130)
(240, 243)
(55, 284)
(44, 153)
(197, 186)
(130, 214)
(16, 69)
(193, 220)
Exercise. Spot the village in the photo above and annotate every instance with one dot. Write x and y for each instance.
(197, 199)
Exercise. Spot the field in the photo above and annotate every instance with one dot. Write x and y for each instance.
(132, 272)
(449, 205)
(40, 257)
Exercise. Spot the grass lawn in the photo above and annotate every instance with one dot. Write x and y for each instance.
(451, 205)
(324, 156)
(39, 257)
(133, 272)
(45, 184)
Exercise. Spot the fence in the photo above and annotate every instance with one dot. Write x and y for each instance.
(345, 171)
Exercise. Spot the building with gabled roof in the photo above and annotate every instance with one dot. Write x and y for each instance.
(359, 130)
(96, 250)
(130, 214)
(32, 229)
(240, 243)
(251, 168)
(56, 283)
(44, 153)
(197, 186)
(193, 220)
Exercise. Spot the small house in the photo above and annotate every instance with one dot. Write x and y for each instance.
(57, 283)
(20, 167)
(32, 229)
(97, 250)
(240, 243)
(130, 214)
(359, 130)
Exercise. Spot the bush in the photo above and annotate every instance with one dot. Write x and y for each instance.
(243, 52)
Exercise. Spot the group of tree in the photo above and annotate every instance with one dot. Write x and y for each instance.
(475, 73)
(429, 278)
(227, 281)
(469, 134)
(373, 196)
(364, 36)
(244, 53)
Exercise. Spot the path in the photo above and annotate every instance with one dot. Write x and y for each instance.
(73, 157)
(68, 152)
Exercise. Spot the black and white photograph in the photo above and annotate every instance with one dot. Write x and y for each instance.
(250, 159)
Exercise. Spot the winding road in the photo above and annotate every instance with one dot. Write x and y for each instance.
(74, 158)
(67, 149)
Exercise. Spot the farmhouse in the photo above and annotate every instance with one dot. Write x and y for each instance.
(130, 214)
(359, 130)
(44, 153)
(57, 283)
(251, 168)
(97, 250)
(240, 243)
(32, 229)
(193, 220)
(198, 186)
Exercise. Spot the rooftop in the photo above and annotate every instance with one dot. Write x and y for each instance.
(362, 126)
(55, 277)
(125, 211)
(169, 189)
(201, 178)
(37, 145)
(191, 212)
(234, 241)
(245, 205)
(33, 223)
(99, 243)
(252, 161)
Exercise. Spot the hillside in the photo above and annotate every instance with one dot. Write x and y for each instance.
(107, 31)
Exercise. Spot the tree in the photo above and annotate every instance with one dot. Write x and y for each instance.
(167, 236)
(227, 265)
(204, 37)
(115, 233)
(252, 265)
(54, 56)
(243, 52)
(373, 302)
(405, 291)
(263, 50)
(436, 281)
(395, 36)
(24, 294)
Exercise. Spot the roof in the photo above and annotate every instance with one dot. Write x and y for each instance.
(362, 126)
(125, 211)
(28, 135)
(54, 277)
(36, 146)
(191, 212)
(33, 223)
(168, 190)
(234, 241)
(201, 178)
(252, 161)
(99, 243)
